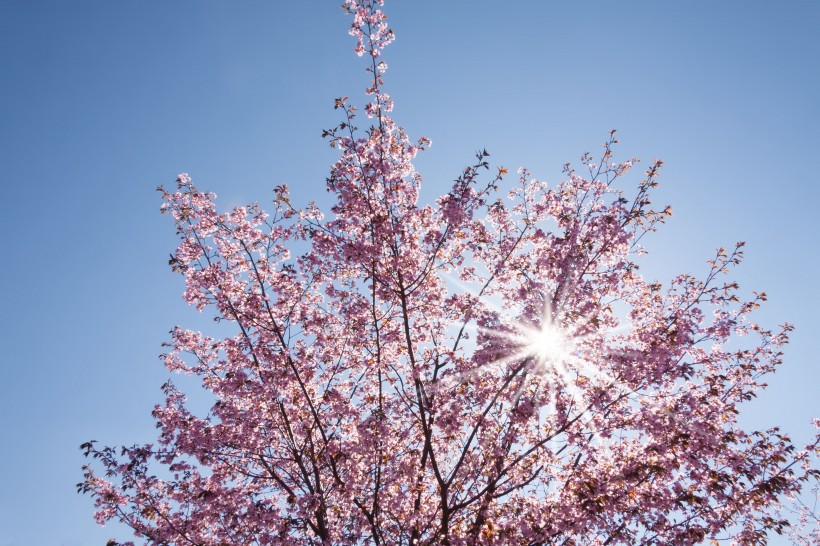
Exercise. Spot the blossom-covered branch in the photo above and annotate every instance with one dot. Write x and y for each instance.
(490, 368)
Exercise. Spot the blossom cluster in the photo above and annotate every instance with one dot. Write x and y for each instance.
(490, 368)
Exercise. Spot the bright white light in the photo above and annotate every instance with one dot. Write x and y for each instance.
(555, 347)
(548, 344)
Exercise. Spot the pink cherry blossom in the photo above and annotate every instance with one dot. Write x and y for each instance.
(490, 368)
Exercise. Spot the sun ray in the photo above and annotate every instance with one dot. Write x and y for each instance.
(558, 345)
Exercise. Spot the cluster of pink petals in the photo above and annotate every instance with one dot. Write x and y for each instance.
(371, 392)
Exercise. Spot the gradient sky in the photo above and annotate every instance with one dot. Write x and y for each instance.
(101, 101)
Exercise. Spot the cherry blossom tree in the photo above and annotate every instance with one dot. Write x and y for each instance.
(490, 368)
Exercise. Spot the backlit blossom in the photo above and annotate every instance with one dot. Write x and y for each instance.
(490, 368)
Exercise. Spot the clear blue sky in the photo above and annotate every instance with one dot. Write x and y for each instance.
(101, 101)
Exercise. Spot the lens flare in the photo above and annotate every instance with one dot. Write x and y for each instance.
(549, 345)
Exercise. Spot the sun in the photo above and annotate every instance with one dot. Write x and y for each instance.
(548, 344)
(558, 344)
